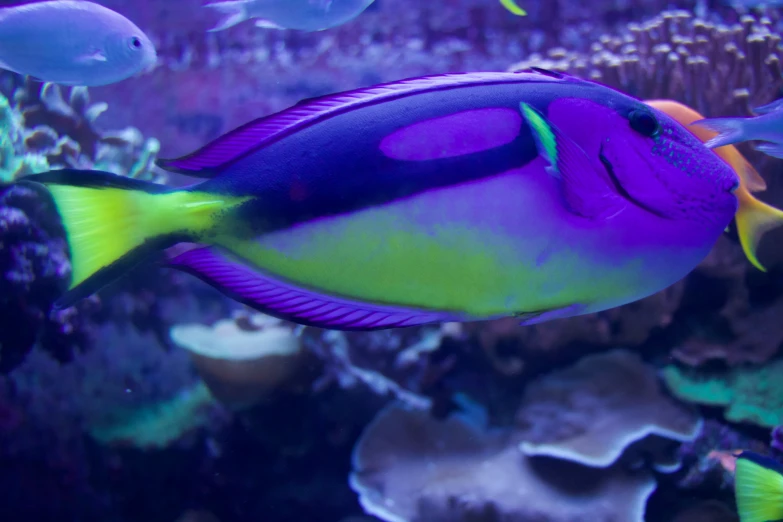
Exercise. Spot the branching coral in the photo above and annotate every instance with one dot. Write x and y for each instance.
(64, 132)
(42, 130)
(390, 362)
(718, 69)
(15, 160)
(592, 411)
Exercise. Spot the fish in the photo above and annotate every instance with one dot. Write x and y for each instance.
(72, 42)
(758, 488)
(767, 126)
(754, 217)
(304, 15)
(448, 198)
(513, 8)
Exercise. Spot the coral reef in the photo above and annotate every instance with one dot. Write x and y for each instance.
(247, 72)
(389, 362)
(679, 56)
(410, 467)
(161, 424)
(65, 133)
(43, 130)
(574, 436)
(749, 394)
(34, 265)
(592, 411)
(704, 458)
(514, 350)
(56, 404)
(730, 312)
(707, 511)
(246, 359)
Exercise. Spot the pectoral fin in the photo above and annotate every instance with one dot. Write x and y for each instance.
(94, 56)
(586, 189)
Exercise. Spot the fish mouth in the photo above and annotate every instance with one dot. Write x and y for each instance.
(149, 66)
(619, 187)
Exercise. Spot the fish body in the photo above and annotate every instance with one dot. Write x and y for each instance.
(72, 42)
(758, 487)
(448, 198)
(304, 15)
(754, 217)
(767, 127)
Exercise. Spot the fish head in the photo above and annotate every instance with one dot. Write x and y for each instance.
(749, 176)
(130, 50)
(653, 161)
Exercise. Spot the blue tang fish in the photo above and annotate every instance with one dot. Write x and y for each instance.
(456, 197)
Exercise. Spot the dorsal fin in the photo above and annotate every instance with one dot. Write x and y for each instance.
(215, 156)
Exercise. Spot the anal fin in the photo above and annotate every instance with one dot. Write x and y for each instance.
(286, 301)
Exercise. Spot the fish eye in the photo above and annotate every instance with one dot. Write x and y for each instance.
(134, 42)
(644, 123)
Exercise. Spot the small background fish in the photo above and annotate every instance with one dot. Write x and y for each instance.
(767, 127)
(72, 42)
(305, 15)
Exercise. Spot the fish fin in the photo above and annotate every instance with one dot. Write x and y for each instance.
(758, 486)
(95, 56)
(771, 149)
(234, 12)
(113, 223)
(753, 180)
(531, 318)
(279, 299)
(214, 157)
(755, 218)
(267, 24)
(730, 131)
(586, 190)
(770, 107)
(513, 8)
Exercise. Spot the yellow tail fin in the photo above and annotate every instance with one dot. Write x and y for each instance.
(113, 222)
(758, 486)
(754, 219)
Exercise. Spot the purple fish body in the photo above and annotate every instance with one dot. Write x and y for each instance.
(450, 198)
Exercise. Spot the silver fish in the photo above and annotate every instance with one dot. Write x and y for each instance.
(767, 127)
(304, 15)
(72, 42)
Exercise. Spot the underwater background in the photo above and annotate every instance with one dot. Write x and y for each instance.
(159, 399)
